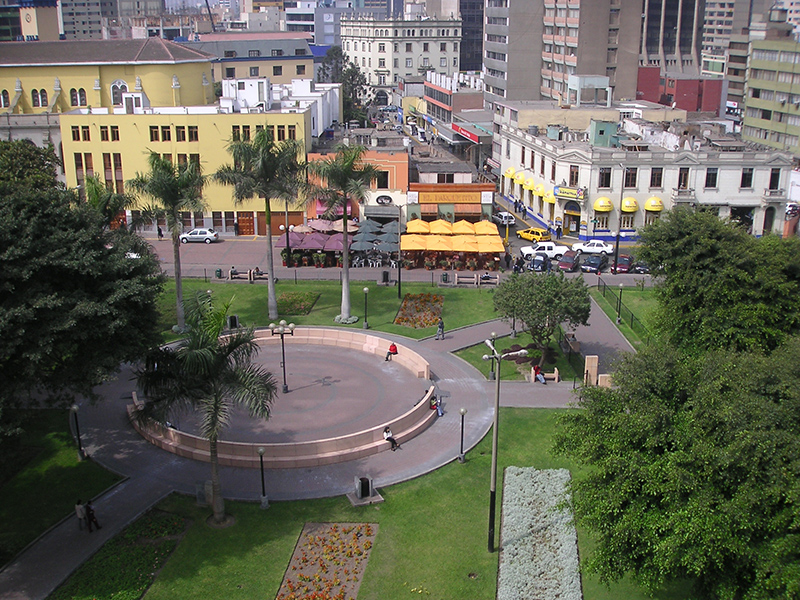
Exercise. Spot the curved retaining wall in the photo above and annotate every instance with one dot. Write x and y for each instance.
(317, 452)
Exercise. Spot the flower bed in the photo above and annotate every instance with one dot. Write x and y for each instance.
(539, 544)
(420, 310)
(296, 303)
(328, 562)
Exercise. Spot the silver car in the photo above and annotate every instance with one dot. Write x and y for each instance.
(203, 234)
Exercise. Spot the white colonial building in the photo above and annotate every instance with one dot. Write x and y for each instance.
(387, 49)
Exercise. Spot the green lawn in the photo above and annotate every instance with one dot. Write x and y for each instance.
(42, 478)
(640, 301)
(433, 532)
(462, 306)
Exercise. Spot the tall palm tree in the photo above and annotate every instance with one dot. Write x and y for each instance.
(208, 374)
(340, 180)
(173, 189)
(265, 169)
(105, 201)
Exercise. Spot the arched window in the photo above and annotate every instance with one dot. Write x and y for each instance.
(5, 102)
(43, 97)
(73, 97)
(82, 97)
(117, 89)
(35, 98)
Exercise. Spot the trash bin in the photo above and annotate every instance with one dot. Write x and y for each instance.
(385, 277)
(233, 322)
(445, 278)
(218, 273)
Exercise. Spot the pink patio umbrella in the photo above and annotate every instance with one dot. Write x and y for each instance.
(335, 243)
(294, 240)
(321, 225)
(302, 229)
(313, 241)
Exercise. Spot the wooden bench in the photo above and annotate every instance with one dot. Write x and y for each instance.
(554, 376)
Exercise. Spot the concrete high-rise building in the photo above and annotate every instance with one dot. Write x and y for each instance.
(83, 19)
(671, 34)
(599, 39)
(471, 12)
(722, 22)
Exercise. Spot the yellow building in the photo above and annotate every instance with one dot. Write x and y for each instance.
(116, 147)
(53, 77)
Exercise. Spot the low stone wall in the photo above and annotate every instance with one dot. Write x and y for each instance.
(312, 453)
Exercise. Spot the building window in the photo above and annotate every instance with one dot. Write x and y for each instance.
(85, 133)
(43, 97)
(600, 220)
(382, 180)
(408, 47)
(604, 177)
(236, 133)
(300, 70)
(426, 62)
(277, 71)
(425, 46)
(193, 136)
(195, 160)
(114, 133)
(229, 53)
(246, 133)
(396, 63)
(381, 47)
(396, 47)
(76, 133)
(747, 178)
(683, 178)
(573, 175)
(443, 47)
(300, 52)
(292, 130)
(541, 166)
(117, 89)
(443, 62)
(180, 133)
(445, 178)
(153, 133)
(104, 133)
(253, 71)
(73, 97)
(711, 177)
(254, 53)
(118, 176)
(182, 159)
(553, 171)
(774, 179)
(508, 148)
(381, 63)
(281, 133)
(230, 73)
(656, 177)
(5, 100)
(409, 63)
(166, 134)
(35, 98)
(455, 61)
(455, 46)
(630, 177)
(82, 97)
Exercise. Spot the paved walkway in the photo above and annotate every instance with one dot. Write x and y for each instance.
(152, 474)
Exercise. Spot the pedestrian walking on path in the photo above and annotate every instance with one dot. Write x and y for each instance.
(440, 329)
(91, 519)
(160, 234)
(80, 512)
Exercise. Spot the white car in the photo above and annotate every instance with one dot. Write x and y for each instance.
(593, 247)
(551, 249)
(504, 218)
(206, 235)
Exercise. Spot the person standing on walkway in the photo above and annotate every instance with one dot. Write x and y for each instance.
(90, 516)
(507, 259)
(387, 435)
(236, 227)
(80, 512)
(558, 232)
(160, 234)
(440, 329)
(392, 352)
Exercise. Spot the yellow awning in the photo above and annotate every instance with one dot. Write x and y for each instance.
(441, 227)
(463, 227)
(439, 242)
(603, 204)
(465, 243)
(490, 243)
(510, 172)
(539, 189)
(654, 204)
(528, 185)
(418, 226)
(519, 177)
(629, 205)
(549, 197)
(486, 228)
(413, 242)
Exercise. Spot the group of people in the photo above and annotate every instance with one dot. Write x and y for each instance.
(85, 514)
(519, 206)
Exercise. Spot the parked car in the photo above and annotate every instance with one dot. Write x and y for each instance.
(552, 249)
(533, 234)
(504, 218)
(639, 268)
(540, 263)
(593, 247)
(570, 262)
(623, 264)
(595, 263)
(200, 235)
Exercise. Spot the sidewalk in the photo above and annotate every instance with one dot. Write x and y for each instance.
(153, 473)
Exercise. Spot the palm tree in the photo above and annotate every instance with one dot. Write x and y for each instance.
(208, 374)
(267, 170)
(341, 179)
(105, 201)
(174, 189)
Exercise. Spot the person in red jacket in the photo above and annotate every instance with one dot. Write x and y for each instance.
(392, 351)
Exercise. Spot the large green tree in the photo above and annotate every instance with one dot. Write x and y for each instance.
(543, 302)
(341, 180)
(23, 163)
(694, 471)
(337, 67)
(74, 303)
(719, 287)
(208, 373)
(265, 169)
(172, 190)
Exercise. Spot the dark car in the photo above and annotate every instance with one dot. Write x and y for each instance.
(540, 263)
(594, 263)
(570, 262)
(623, 264)
(639, 268)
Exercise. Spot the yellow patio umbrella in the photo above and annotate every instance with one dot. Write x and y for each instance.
(417, 226)
(441, 227)
(486, 228)
(490, 243)
(463, 227)
(465, 243)
(413, 242)
(439, 243)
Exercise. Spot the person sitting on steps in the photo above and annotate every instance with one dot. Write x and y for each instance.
(392, 351)
(387, 435)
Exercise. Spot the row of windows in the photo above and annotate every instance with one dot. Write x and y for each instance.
(277, 71)
(367, 47)
(164, 133)
(349, 32)
(774, 55)
(279, 133)
(776, 137)
(257, 53)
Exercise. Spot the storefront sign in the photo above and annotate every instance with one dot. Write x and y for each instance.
(383, 200)
(567, 192)
(467, 134)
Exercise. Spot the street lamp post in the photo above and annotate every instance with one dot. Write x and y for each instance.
(366, 293)
(282, 329)
(491, 368)
(493, 482)
(619, 304)
(74, 410)
(264, 499)
(288, 229)
(461, 457)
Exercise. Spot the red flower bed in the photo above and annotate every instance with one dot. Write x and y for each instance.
(420, 310)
